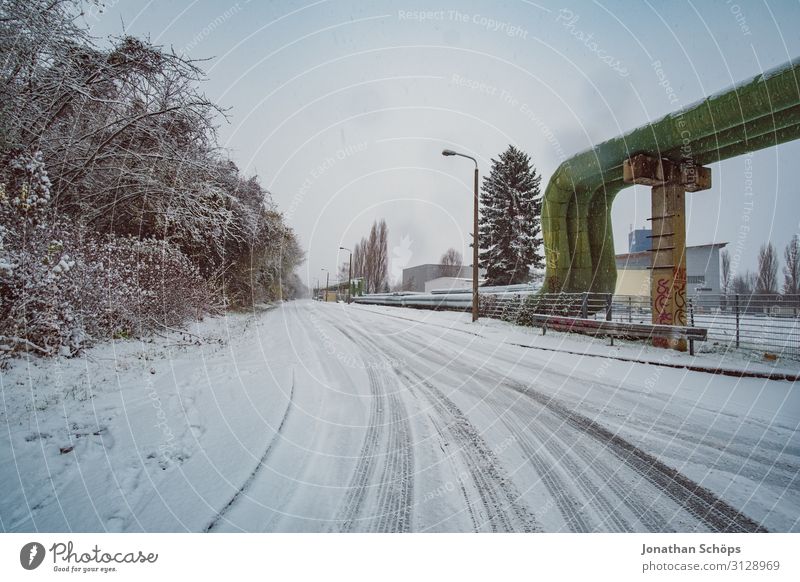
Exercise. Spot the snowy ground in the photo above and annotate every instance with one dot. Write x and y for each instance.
(327, 417)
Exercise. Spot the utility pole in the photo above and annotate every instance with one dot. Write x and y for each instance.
(327, 280)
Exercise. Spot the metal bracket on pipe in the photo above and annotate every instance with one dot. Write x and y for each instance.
(652, 171)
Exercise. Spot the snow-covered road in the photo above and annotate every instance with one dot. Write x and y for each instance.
(327, 417)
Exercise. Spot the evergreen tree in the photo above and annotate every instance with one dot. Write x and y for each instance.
(510, 220)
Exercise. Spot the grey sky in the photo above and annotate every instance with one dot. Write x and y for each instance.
(342, 108)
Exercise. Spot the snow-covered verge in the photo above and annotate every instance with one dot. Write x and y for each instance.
(329, 417)
(135, 435)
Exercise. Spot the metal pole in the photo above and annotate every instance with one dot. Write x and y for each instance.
(475, 299)
(327, 284)
(349, 279)
(736, 306)
(475, 251)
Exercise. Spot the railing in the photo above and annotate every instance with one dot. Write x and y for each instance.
(766, 323)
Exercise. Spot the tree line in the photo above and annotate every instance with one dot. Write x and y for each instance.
(119, 212)
(765, 280)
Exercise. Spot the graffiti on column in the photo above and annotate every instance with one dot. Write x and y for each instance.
(679, 309)
(661, 304)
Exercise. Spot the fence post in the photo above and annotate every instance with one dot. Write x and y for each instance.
(736, 308)
(584, 302)
(630, 309)
(609, 306)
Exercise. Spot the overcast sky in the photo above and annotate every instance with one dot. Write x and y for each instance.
(342, 108)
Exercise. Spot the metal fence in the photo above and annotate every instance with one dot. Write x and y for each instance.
(768, 323)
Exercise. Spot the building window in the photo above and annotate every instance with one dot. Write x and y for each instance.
(696, 279)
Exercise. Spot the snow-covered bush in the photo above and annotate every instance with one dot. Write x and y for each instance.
(61, 285)
(130, 286)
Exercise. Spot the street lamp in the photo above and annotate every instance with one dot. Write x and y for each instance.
(474, 234)
(327, 279)
(349, 271)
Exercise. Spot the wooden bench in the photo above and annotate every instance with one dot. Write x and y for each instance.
(612, 329)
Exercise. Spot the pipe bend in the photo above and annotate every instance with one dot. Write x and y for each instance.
(726, 124)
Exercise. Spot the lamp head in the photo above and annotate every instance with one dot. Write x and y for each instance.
(448, 153)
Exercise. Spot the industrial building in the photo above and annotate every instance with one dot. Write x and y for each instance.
(633, 268)
(415, 278)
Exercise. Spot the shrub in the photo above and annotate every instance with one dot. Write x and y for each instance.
(62, 285)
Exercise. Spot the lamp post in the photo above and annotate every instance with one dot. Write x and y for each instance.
(474, 234)
(349, 271)
(327, 279)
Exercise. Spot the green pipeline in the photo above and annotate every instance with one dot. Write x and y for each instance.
(576, 215)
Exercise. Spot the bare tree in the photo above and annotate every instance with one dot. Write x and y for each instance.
(791, 270)
(767, 278)
(371, 259)
(451, 262)
(725, 283)
(358, 260)
(744, 284)
(382, 258)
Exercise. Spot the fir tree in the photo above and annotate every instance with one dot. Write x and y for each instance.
(510, 221)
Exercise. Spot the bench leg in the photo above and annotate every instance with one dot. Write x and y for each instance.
(691, 347)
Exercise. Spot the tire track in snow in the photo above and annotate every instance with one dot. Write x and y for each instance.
(501, 501)
(568, 505)
(649, 517)
(465, 496)
(362, 476)
(593, 491)
(690, 496)
(497, 494)
(663, 478)
(395, 498)
(249, 481)
(395, 489)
